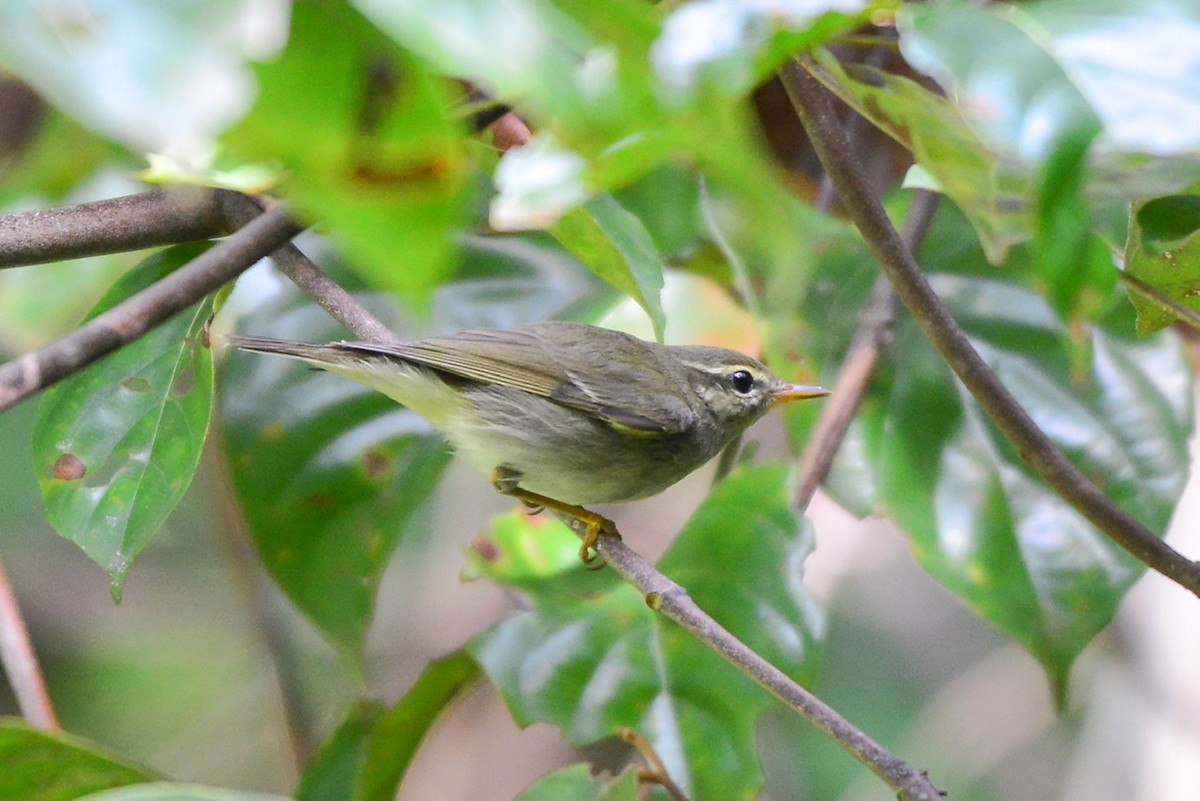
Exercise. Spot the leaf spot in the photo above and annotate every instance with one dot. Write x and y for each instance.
(135, 383)
(376, 464)
(69, 467)
(183, 382)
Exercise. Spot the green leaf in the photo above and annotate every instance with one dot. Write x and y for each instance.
(921, 450)
(370, 142)
(616, 246)
(1168, 220)
(830, 307)
(1075, 265)
(981, 522)
(521, 551)
(1020, 81)
(334, 772)
(1164, 251)
(506, 281)
(40, 766)
(576, 783)
(397, 733)
(172, 791)
(116, 445)
(367, 756)
(328, 473)
(590, 656)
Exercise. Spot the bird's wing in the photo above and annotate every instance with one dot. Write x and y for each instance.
(611, 376)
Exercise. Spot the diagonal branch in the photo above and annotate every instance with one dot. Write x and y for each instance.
(816, 112)
(664, 595)
(136, 315)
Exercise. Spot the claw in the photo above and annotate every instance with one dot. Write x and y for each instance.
(596, 527)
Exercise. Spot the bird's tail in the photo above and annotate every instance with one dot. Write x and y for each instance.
(337, 353)
(379, 367)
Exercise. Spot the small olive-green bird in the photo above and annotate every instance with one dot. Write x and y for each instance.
(563, 415)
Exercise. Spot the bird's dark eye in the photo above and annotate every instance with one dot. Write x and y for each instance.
(741, 381)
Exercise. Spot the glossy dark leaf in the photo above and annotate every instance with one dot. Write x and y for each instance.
(922, 451)
(116, 445)
(39, 766)
(981, 522)
(590, 656)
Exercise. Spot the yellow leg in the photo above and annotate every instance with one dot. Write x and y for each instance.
(594, 525)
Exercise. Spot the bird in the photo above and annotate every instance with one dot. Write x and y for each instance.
(564, 415)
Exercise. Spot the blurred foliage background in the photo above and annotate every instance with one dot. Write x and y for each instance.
(329, 548)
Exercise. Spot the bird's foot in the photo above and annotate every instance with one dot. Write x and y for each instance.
(588, 524)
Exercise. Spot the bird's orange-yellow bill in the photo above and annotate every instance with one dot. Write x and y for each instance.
(799, 392)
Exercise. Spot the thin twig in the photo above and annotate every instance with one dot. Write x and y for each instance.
(133, 222)
(20, 662)
(657, 773)
(816, 112)
(664, 595)
(138, 314)
(328, 294)
(873, 335)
